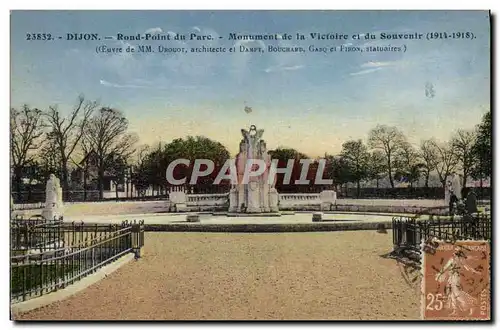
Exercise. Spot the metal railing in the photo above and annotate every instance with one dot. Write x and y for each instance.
(46, 257)
(409, 233)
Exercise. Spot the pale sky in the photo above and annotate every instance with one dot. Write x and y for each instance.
(312, 102)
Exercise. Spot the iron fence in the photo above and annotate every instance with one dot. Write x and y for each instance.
(409, 233)
(35, 234)
(48, 256)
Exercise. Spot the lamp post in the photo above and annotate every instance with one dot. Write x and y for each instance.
(128, 181)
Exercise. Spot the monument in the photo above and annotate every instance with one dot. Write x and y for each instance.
(257, 195)
(471, 203)
(53, 199)
(453, 187)
(453, 192)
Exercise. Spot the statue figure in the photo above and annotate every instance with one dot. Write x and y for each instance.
(241, 160)
(254, 196)
(252, 135)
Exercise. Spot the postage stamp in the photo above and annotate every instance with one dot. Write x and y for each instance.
(456, 281)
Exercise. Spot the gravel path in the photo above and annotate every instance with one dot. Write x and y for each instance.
(229, 276)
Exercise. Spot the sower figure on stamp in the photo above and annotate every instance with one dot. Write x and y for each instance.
(451, 273)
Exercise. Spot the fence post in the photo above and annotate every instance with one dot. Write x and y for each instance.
(136, 232)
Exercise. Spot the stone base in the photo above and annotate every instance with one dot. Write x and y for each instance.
(326, 206)
(180, 207)
(51, 214)
(261, 214)
(317, 217)
(193, 218)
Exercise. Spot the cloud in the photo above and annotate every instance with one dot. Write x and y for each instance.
(283, 68)
(110, 84)
(241, 61)
(154, 30)
(242, 42)
(171, 33)
(365, 71)
(376, 64)
(141, 83)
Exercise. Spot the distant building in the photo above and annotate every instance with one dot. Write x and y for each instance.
(86, 173)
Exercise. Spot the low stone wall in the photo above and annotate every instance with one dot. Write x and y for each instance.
(299, 202)
(206, 202)
(287, 202)
(437, 210)
(264, 228)
(218, 203)
(107, 208)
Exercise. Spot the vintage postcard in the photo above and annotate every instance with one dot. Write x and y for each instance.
(250, 165)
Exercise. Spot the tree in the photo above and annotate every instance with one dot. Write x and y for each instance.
(153, 162)
(106, 135)
(377, 166)
(140, 175)
(116, 167)
(429, 155)
(155, 165)
(338, 170)
(86, 150)
(388, 139)
(446, 161)
(482, 150)
(66, 132)
(193, 148)
(283, 155)
(26, 128)
(463, 146)
(357, 157)
(407, 163)
(48, 159)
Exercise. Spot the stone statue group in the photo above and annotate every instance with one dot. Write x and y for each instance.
(258, 195)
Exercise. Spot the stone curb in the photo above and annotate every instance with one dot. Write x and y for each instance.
(266, 228)
(70, 290)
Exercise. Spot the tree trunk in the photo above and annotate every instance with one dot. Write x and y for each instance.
(357, 188)
(126, 188)
(481, 187)
(116, 191)
(100, 181)
(377, 182)
(85, 183)
(18, 177)
(65, 177)
(427, 175)
(389, 171)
